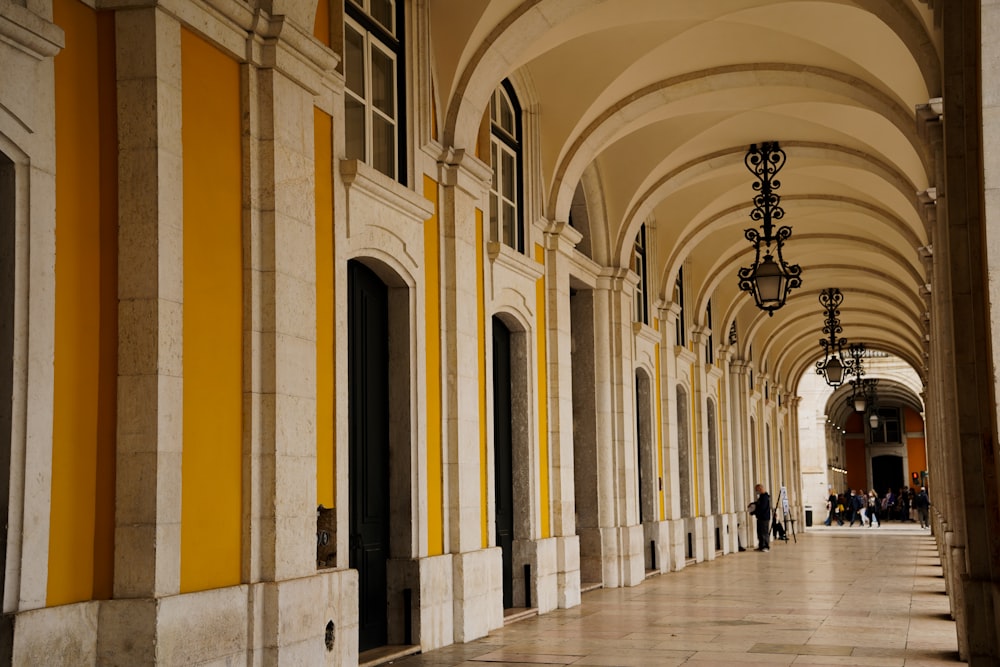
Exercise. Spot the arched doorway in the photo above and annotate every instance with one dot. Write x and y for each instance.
(585, 466)
(368, 387)
(503, 455)
(647, 466)
(646, 476)
(713, 457)
(683, 452)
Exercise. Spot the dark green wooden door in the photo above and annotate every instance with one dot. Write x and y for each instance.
(502, 458)
(368, 370)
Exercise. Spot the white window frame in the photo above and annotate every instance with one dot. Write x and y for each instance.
(371, 42)
(498, 148)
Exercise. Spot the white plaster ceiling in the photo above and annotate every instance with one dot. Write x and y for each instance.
(660, 99)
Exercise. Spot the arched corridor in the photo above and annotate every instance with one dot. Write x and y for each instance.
(334, 328)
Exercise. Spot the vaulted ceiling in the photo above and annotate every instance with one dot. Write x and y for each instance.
(656, 102)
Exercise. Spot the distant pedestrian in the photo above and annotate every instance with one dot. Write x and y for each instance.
(859, 503)
(874, 505)
(761, 509)
(832, 512)
(920, 503)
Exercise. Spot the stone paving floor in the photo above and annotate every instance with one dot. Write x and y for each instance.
(837, 596)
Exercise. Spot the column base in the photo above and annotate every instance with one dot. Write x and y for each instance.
(478, 599)
(312, 620)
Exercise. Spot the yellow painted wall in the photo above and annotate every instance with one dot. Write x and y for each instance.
(483, 444)
(213, 329)
(81, 539)
(321, 25)
(326, 335)
(543, 396)
(432, 331)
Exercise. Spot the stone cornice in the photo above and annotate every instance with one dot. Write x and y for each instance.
(506, 257)
(367, 179)
(458, 168)
(29, 32)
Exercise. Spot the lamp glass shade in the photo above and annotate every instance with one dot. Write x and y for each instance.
(834, 372)
(873, 420)
(770, 282)
(860, 403)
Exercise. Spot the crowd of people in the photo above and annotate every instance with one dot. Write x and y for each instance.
(868, 508)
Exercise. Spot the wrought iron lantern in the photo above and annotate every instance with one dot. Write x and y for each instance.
(832, 367)
(769, 279)
(862, 395)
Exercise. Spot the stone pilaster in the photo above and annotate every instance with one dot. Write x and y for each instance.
(742, 486)
(621, 534)
(150, 312)
(478, 587)
(559, 241)
(968, 62)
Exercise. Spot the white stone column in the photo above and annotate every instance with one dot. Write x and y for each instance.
(675, 522)
(621, 533)
(742, 486)
(728, 438)
(702, 521)
(288, 604)
(150, 313)
(477, 581)
(150, 334)
(560, 241)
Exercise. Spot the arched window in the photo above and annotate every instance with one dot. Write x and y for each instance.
(681, 329)
(640, 268)
(506, 190)
(373, 60)
(710, 346)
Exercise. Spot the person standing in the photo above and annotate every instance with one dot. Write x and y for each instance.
(761, 509)
(859, 503)
(920, 503)
(874, 506)
(831, 506)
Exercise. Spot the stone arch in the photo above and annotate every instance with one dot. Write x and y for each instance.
(610, 125)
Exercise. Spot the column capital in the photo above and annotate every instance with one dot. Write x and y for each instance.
(458, 168)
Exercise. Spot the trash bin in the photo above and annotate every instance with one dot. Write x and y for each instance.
(809, 516)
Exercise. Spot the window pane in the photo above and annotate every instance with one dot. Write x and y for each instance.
(384, 146)
(354, 60)
(355, 127)
(382, 11)
(507, 116)
(509, 225)
(507, 174)
(493, 107)
(383, 83)
(493, 161)
(494, 221)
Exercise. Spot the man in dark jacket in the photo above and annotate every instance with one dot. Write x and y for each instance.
(761, 509)
(920, 503)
